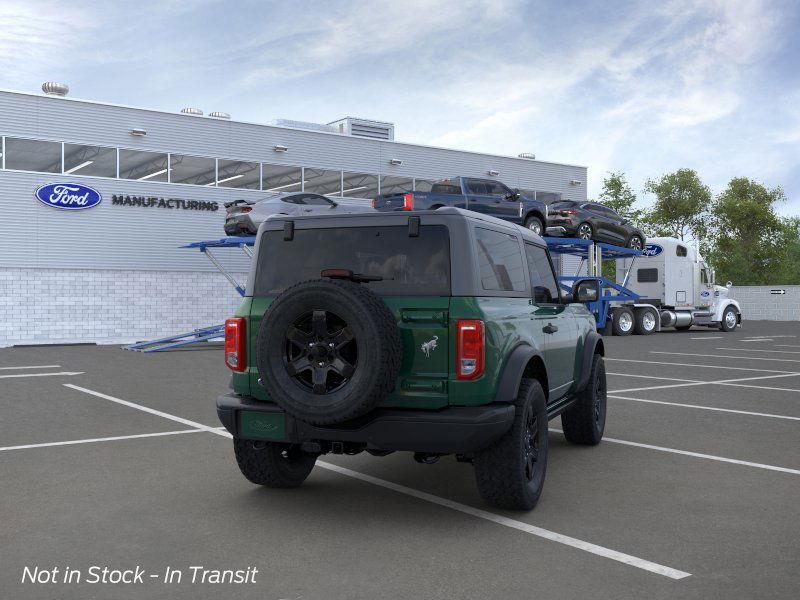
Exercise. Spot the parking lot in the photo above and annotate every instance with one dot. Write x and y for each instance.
(116, 458)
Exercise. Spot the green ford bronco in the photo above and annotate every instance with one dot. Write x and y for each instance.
(436, 332)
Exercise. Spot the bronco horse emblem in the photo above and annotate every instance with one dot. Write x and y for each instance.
(429, 346)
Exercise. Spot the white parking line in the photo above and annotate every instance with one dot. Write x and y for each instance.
(698, 455)
(725, 356)
(786, 346)
(512, 523)
(714, 408)
(147, 409)
(656, 362)
(105, 439)
(708, 337)
(655, 377)
(758, 350)
(31, 367)
(757, 340)
(65, 373)
(717, 382)
(489, 516)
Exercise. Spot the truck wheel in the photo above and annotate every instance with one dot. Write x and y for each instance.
(328, 351)
(584, 421)
(622, 324)
(729, 320)
(645, 323)
(535, 225)
(273, 465)
(510, 473)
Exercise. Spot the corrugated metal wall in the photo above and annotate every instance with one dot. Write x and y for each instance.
(123, 237)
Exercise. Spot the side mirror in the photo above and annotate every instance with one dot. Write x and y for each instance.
(729, 285)
(586, 290)
(334, 204)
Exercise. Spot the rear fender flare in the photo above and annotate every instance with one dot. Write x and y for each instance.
(513, 372)
(593, 344)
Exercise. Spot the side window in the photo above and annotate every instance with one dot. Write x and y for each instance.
(476, 186)
(647, 275)
(681, 250)
(495, 188)
(500, 261)
(704, 276)
(543, 280)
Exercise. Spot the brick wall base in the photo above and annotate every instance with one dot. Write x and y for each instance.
(51, 306)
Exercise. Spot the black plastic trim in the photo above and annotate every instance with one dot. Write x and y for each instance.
(589, 347)
(512, 373)
(456, 429)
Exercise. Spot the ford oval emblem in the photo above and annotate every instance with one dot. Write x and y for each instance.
(705, 294)
(652, 250)
(68, 196)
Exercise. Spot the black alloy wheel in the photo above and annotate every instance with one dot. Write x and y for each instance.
(530, 445)
(321, 354)
(584, 231)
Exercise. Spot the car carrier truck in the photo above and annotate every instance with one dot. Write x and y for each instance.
(673, 278)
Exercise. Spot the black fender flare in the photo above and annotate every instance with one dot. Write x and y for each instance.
(513, 371)
(593, 344)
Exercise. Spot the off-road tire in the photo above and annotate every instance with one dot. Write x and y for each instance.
(500, 469)
(723, 325)
(531, 221)
(618, 322)
(272, 465)
(584, 422)
(640, 326)
(376, 335)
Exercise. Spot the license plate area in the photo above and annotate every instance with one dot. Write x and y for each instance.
(262, 426)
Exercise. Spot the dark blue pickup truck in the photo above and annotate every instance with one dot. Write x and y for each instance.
(485, 196)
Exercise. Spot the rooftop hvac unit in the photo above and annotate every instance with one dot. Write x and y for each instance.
(377, 130)
(51, 88)
(192, 111)
(527, 155)
(219, 115)
(303, 125)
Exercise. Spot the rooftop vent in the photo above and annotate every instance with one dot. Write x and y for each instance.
(303, 125)
(51, 88)
(192, 111)
(219, 115)
(527, 155)
(377, 130)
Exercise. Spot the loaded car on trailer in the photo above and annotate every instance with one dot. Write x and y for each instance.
(593, 221)
(436, 332)
(485, 196)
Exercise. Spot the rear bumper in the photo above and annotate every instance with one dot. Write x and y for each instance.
(447, 431)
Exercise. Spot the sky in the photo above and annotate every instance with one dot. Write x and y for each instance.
(639, 87)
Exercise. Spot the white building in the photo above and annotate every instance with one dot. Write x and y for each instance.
(115, 272)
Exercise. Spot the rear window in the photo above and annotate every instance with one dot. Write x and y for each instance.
(410, 266)
(500, 261)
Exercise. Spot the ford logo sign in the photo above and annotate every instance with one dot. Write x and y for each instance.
(68, 196)
(652, 250)
(705, 294)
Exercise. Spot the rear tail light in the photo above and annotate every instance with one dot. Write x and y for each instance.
(374, 200)
(408, 201)
(566, 213)
(235, 358)
(246, 209)
(470, 349)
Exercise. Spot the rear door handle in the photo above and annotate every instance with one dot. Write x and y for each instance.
(550, 328)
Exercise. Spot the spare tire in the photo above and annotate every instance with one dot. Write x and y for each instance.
(328, 351)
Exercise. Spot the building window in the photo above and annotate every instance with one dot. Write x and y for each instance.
(396, 185)
(423, 185)
(33, 155)
(144, 166)
(499, 261)
(547, 197)
(194, 170)
(320, 181)
(237, 174)
(280, 178)
(97, 161)
(359, 185)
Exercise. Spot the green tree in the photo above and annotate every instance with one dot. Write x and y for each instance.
(750, 243)
(618, 195)
(681, 205)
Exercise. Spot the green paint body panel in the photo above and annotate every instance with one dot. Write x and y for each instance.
(428, 380)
